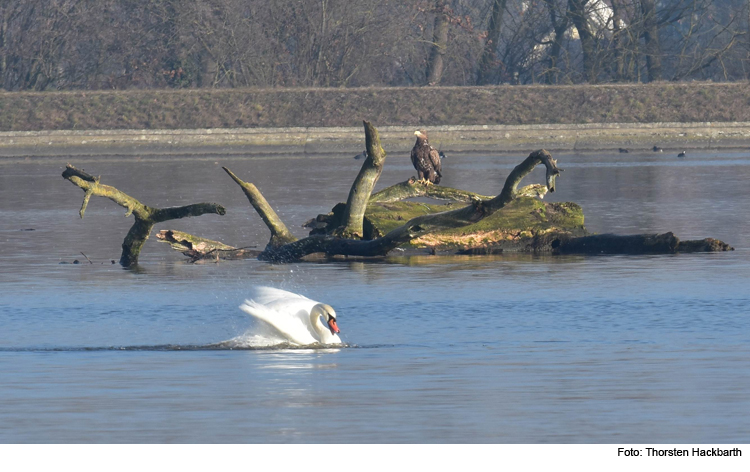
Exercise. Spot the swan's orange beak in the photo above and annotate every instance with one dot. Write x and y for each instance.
(332, 326)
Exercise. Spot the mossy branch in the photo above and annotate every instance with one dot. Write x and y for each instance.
(145, 216)
(198, 248)
(419, 188)
(523, 169)
(419, 226)
(359, 194)
(280, 234)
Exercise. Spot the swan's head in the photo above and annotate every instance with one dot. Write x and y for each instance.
(328, 314)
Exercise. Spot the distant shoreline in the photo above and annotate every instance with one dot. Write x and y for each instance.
(265, 142)
(428, 107)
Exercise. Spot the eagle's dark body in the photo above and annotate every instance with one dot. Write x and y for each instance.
(426, 159)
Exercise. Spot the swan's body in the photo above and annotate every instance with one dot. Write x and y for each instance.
(293, 317)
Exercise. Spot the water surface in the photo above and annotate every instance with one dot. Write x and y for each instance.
(513, 349)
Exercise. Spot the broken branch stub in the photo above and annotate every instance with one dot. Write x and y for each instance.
(416, 227)
(540, 156)
(280, 234)
(145, 216)
(359, 194)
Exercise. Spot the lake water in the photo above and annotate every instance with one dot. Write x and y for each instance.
(513, 349)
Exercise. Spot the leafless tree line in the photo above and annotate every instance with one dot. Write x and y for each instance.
(132, 44)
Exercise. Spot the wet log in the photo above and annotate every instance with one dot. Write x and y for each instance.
(413, 188)
(418, 226)
(198, 248)
(666, 243)
(519, 220)
(558, 243)
(420, 188)
(145, 217)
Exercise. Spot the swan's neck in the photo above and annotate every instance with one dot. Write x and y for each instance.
(324, 334)
(318, 325)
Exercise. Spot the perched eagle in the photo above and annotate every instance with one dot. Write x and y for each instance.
(426, 159)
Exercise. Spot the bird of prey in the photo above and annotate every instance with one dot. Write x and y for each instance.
(426, 159)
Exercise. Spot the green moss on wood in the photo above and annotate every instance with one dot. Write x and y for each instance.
(524, 217)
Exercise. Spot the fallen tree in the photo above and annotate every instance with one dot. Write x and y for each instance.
(332, 243)
(145, 216)
(372, 225)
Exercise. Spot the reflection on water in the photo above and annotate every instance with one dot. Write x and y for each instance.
(517, 348)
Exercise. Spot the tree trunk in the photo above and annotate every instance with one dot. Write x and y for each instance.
(488, 61)
(598, 244)
(652, 46)
(359, 194)
(145, 217)
(419, 226)
(617, 40)
(439, 44)
(577, 12)
(559, 24)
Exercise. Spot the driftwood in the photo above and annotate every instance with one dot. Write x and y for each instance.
(145, 217)
(565, 243)
(280, 234)
(419, 188)
(198, 248)
(359, 195)
(555, 228)
(332, 244)
(340, 232)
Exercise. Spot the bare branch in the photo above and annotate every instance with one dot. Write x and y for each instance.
(280, 234)
(145, 216)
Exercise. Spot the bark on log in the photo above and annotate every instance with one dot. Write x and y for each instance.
(419, 226)
(359, 194)
(563, 243)
(280, 234)
(145, 217)
(198, 248)
(418, 188)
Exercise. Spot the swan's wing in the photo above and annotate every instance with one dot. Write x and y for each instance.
(290, 328)
(266, 295)
(284, 302)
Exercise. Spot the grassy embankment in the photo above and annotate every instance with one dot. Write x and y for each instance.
(429, 106)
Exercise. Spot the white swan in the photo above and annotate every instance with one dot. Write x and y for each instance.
(293, 317)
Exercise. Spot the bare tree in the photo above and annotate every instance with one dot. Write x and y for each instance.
(488, 63)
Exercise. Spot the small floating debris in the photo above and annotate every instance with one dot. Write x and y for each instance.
(27, 229)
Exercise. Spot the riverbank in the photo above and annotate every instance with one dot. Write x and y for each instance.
(665, 102)
(347, 141)
(310, 121)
